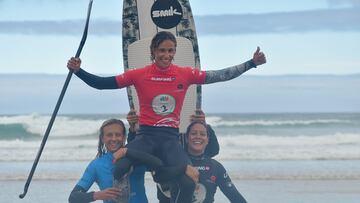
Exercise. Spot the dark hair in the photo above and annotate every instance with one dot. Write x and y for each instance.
(158, 39)
(192, 124)
(101, 146)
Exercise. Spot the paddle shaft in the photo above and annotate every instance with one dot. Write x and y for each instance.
(47, 132)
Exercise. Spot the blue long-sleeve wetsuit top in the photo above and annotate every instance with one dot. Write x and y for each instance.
(100, 171)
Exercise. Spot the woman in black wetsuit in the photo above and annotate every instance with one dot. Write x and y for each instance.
(212, 173)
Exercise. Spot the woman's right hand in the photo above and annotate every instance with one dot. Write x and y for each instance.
(74, 64)
(133, 120)
(198, 116)
(107, 194)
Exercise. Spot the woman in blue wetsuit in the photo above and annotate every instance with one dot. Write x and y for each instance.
(112, 137)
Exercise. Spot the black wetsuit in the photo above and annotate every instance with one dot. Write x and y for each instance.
(212, 175)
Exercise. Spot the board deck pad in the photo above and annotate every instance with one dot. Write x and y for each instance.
(142, 19)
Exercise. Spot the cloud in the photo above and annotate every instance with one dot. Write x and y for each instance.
(68, 27)
(339, 3)
(281, 22)
(345, 19)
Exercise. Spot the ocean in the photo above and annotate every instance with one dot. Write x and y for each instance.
(293, 136)
(253, 147)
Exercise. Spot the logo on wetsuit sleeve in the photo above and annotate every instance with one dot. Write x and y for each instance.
(213, 179)
(163, 104)
(166, 13)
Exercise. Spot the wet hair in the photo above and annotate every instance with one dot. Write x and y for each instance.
(101, 146)
(158, 39)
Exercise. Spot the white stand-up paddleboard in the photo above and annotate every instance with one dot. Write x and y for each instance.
(142, 19)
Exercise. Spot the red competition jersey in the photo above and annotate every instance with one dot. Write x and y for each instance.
(161, 92)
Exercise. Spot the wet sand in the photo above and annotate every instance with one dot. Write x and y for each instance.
(255, 191)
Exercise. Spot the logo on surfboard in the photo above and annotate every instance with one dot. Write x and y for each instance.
(166, 14)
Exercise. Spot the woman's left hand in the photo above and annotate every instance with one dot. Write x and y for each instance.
(259, 57)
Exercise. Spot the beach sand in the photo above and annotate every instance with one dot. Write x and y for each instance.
(334, 181)
(255, 191)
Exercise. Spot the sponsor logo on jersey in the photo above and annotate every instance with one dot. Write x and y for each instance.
(166, 14)
(160, 79)
(163, 104)
(168, 122)
(203, 168)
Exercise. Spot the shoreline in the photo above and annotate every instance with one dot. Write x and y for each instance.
(311, 170)
(255, 191)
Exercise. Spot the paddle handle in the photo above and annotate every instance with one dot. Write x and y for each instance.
(58, 103)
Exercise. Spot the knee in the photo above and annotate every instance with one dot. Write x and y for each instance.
(121, 167)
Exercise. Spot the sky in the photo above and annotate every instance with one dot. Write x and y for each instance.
(298, 37)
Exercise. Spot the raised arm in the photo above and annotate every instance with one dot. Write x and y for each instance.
(91, 79)
(235, 71)
(133, 120)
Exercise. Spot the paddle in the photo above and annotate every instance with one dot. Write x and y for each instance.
(82, 42)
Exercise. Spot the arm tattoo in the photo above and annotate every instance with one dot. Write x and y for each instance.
(228, 73)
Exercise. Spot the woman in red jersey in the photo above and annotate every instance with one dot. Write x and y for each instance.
(161, 87)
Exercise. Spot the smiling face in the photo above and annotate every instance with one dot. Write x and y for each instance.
(164, 54)
(197, 139)
(113, 137)
(163, 49)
